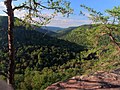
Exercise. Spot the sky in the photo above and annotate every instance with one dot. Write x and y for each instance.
(75, 19)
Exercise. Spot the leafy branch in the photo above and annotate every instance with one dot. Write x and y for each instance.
(108, 24)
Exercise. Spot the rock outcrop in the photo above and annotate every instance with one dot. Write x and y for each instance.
(98, 81)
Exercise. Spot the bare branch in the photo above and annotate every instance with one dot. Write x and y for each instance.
(19, 7)
(5, 12)
(114, 41)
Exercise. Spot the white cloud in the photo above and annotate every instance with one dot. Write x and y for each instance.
(57, 21)
(2, 8)
(68, 22)
(19, 13)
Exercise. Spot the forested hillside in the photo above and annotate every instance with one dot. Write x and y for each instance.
(82, 35)
(76, 34)
(40, 57)
(20, 24)
(37, 51)
(102, 46)
(63, 32)
(42, 60)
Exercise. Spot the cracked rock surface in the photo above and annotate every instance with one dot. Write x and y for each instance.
(98, 81)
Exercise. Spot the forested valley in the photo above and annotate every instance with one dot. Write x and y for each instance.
(47, 58)
(43, 57)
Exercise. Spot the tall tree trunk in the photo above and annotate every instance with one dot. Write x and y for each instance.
(11, 65)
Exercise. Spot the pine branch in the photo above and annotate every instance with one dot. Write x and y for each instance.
(38, 4)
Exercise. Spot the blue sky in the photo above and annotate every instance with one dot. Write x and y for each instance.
(100, 5)
(75, 19)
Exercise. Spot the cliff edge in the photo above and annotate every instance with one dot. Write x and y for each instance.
(98, 81)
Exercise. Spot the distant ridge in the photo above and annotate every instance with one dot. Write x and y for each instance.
(4, 23)
(52, 28)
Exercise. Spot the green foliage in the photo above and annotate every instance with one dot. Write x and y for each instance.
(40, 57)
(105, 37)
(42, 60)
(46, 60)
(76, 35)
(36, 80)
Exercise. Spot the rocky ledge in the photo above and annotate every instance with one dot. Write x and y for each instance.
(98, 81)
